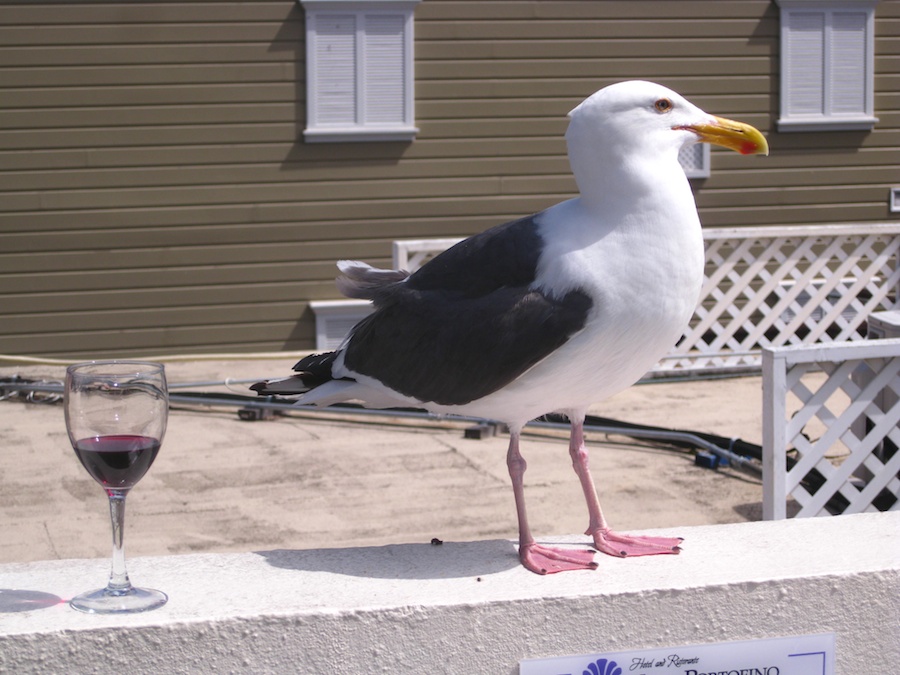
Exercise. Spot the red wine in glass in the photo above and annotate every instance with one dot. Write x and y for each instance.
(119, 461)
(116, 416)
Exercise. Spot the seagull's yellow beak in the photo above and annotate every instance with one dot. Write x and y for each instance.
(737, 136)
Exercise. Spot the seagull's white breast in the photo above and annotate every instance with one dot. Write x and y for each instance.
(644, 276)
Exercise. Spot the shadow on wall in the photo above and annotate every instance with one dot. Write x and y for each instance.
(451, 560)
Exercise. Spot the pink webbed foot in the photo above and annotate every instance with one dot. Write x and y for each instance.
(547, 560)
(625, 545)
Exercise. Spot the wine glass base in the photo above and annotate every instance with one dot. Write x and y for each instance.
(113, 601)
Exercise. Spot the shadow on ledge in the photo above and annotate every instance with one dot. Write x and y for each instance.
(17, 600)
(450, 560)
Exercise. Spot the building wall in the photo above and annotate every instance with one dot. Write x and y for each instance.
(156, 195)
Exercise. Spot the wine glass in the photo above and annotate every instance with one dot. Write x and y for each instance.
(116, 414)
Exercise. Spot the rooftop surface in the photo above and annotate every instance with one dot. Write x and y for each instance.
(326, 479)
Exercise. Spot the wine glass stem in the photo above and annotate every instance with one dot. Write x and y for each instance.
(118, 576)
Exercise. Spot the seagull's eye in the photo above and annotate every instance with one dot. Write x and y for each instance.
(663, 105)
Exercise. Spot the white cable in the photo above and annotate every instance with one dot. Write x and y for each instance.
(170, 358)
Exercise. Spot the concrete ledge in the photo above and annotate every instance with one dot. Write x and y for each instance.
(466, 607)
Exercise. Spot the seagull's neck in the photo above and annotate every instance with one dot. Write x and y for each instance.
(615, 184)
(629, 208)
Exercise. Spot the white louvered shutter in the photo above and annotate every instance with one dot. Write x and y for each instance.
(384, 69)
(335, 94)
(848, 63)
(805, 73)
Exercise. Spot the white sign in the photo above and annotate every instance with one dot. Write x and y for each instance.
(799, 655)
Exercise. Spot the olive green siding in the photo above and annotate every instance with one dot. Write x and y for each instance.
(156, 195)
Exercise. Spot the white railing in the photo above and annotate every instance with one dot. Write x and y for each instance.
(830, 428)
(768, 287)
(411, 254)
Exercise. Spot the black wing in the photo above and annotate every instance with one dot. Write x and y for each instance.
(467, 323)
(503, 256)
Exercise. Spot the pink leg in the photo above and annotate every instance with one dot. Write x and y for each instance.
(607, 541)
(537, 558)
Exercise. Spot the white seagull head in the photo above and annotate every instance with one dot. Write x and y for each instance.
(641, 125)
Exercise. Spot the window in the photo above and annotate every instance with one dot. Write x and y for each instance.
(827, 61)
(694, 160)
(359, 70)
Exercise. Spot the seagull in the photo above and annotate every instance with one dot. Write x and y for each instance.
(553, 312)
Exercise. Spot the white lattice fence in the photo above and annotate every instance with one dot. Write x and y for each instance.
(830, 428)
(768, 287)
